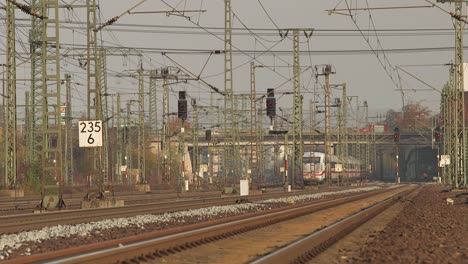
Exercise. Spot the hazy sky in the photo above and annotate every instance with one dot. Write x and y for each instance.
(361, 70)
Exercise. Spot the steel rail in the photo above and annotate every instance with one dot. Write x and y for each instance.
(307, 248)
(24, 222)
(29, 204)
(161, 243)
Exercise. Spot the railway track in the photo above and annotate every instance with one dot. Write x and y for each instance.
(24, 205)
(158, 244)
(307, 248)
(24, 222)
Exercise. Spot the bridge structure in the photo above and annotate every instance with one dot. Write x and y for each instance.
(416, 149)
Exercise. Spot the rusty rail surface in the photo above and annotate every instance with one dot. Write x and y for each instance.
(307, 248)
(161, 243)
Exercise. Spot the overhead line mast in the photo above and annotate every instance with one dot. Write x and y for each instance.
(455, 128)
(34, 138)
(52, 151)
(141, 126)
(231, 150)
(68, 163)
(93, 70)
(10, 115)
(459, 136)
(297, 144)
(153, 109)
(104, 112)
(254, 144)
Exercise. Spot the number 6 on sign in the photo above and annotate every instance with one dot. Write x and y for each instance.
(90, 133)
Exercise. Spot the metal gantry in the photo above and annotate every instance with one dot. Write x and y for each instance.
(10, 99)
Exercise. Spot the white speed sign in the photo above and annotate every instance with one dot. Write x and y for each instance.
(90, 133)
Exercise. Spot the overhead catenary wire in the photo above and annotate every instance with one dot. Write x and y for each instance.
(383, 61)
(114, 19)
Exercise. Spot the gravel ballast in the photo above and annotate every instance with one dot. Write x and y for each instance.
(66, 236)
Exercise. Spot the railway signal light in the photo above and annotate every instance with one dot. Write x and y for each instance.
(208, 135)
(182, 106)
(437, 134)
(271, 103)
(396, 134)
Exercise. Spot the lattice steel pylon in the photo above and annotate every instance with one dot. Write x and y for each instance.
(128, 141)
(153, 104)
(357, 138)
(326, 71)
(120, 144)
(141, 125)
(328, 148)
(343, 133)
(236, 116)
(297, 143)
(94, 95)
(260, 137)
(10, 107)
(447, 103)
(68, 163)
(366, 146)
(459, 130)
(34, 141)
(243, 159)
(196, 151)
(230, 128)
(51, 96)
(253, 123)
(165, 129)
(92, 67)
(104, 112)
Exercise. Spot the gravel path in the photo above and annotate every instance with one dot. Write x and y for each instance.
(424, 229)
(428, 230)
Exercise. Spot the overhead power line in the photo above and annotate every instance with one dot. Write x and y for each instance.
(274, 30)
(285, 52)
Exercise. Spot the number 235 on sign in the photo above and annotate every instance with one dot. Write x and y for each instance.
(90, 133)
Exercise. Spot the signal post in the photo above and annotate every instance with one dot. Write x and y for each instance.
(396, 138)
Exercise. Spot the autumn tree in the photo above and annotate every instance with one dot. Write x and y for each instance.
(413, 115)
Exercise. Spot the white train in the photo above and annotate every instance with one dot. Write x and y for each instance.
(313, 168)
